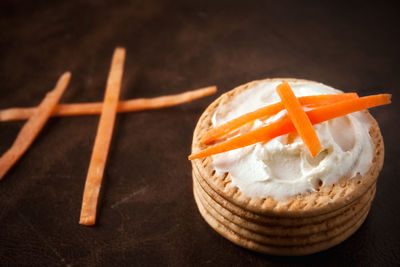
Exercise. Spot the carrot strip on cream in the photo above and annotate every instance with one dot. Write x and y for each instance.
(268, 111)
(123, 106)
(299, 118)
(103, 139)
(32, 127)
(262, 134)
(342, 108)
(285, 125)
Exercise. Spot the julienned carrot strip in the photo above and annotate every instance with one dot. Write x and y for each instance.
(165, 101)
(285, 126)
(299, 118)
(265, 133)
(268, 111)
(103, 139)
(33, 126)
(123, 106)
(342, 108)
(312, 101)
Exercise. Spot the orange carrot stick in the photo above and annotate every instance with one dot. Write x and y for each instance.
(265, 133)
(285, 126)
(342, 108)
(123, 106)
(165, 101)
(33, 126)
(103, 139)
(299, 118)
(268, 111)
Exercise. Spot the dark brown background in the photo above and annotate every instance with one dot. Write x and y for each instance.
(147, 215)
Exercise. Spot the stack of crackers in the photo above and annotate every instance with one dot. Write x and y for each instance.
(299, 225)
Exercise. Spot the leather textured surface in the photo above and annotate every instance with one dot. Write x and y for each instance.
(147, 215)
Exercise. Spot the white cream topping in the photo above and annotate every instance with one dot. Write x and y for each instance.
(283, 167)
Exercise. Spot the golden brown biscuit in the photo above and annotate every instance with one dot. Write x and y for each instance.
(303, 224)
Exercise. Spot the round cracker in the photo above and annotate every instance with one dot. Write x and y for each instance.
(299, 225)
(328, 198)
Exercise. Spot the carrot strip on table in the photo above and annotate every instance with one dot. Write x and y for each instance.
(268, 111)
(32, 127)
(123, 106)
(285, 125)
(103, 139)
(165, 101)
(299, 118)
